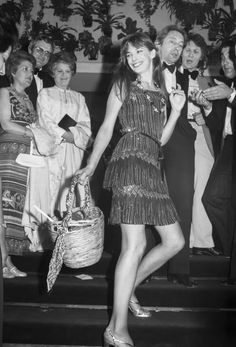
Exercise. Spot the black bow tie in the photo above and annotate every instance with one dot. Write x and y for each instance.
(193, 74)
(171, 67)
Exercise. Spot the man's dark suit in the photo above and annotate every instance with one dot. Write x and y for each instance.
(232, 272)
(32, 89)
(179, 169)
(218, 193)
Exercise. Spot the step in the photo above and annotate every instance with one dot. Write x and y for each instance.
(200, 266)
(76, 311)
(32, 323)
(210, 293)
(38, 345)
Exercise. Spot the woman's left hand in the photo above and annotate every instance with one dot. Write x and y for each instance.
(68, 137)
(177, 99)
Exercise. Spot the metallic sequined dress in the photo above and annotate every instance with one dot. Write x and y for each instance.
(139, 190)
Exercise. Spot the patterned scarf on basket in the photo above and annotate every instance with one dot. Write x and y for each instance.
(56, 260)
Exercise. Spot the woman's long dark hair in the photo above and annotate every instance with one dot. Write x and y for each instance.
(124, 75)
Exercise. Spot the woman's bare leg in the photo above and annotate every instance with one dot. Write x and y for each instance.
(172, 241)
(132, 249)
(3, 245)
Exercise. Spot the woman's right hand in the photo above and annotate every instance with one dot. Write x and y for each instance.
(177, 99)
(84, 174)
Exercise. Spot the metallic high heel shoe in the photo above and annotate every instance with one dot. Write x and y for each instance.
(111, 341)
(6, 273)
(13, 269)
(16, 272)
(138, 310)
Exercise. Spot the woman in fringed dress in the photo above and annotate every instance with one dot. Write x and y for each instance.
(135, 176)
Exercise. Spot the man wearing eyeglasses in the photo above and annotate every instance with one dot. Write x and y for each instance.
(41, 48)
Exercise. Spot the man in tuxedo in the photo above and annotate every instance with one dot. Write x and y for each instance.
(219, 199)
(170, 43)
(41, 48)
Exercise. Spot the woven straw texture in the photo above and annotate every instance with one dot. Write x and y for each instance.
(79, 237)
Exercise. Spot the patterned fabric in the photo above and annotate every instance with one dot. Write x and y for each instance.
(140, 194)
(56, 261)
(14, 176)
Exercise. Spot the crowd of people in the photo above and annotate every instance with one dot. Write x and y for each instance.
(172, 167)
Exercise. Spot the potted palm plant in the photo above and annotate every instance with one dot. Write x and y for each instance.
(146, 8)
(88, 45)
(129, 28)
(85, 9)
(106, 21)
(62, 9)
(221, 25)
(12, 9)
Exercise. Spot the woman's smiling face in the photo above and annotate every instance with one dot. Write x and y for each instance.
(62, 75)
(139, 59)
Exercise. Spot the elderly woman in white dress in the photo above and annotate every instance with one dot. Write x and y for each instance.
(63, 113)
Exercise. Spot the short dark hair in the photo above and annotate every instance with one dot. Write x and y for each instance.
(15, 59)
(63, 57)
(41, 37)
(5, 42)
(161, 35)
(232, 47)
(8, 33)
(200, 42)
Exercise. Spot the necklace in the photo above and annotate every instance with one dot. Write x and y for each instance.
(145, 92)
(22, 96)
(24, 99)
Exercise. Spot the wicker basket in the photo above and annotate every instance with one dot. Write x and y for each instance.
(79, 236)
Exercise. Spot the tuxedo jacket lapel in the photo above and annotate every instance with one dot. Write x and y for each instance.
(32, 92)
(183, 80)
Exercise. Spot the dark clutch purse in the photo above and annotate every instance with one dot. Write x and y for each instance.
(67, 122)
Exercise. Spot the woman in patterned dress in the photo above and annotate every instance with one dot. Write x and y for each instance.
(135, 175)
(16, 114)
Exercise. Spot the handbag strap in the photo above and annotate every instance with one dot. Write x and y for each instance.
(84, 203)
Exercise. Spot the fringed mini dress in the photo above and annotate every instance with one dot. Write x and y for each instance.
(134, 172)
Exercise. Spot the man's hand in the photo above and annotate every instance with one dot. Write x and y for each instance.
(199, 98)
(220, 91)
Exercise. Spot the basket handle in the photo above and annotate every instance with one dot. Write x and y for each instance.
(70, 196)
